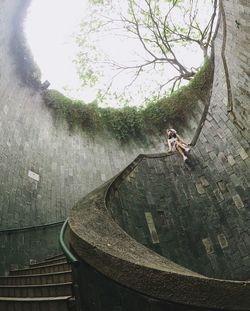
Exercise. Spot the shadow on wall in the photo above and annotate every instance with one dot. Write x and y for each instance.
(186, 215)
(20, 246)
(114, 263)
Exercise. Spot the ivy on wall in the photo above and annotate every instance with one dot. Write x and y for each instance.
(134, 122)
(123, 123)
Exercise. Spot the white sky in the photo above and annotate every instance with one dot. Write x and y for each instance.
(49, 27)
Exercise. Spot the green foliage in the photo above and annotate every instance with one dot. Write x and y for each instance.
(133, 122)
(76, 112)
(175, 108)
(125, 123)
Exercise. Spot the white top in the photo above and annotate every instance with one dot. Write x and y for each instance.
(171, 143)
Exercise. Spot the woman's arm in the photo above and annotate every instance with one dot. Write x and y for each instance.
(169, 145)
(180, 139)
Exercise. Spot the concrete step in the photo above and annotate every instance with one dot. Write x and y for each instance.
(57, 267)
(35, 279)
(46, 290)
(55, 257)
(47, 262)
(61, 303)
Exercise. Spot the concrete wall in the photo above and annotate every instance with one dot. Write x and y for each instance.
(45, 168)
(201, 213)
(19, 247)
(196, 216)
(237, 59)
(66, 165)
(99, 293)
(113, 265)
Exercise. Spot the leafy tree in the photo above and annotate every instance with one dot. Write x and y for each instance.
(162, 29)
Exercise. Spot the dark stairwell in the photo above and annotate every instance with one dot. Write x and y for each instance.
(43, 286)
(158, 236)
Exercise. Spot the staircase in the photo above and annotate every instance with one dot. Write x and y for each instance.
(43, 286)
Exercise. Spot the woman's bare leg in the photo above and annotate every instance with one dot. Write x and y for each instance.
(185, 148)
(181, 152)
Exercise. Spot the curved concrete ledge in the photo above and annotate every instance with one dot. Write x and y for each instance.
(100, 241)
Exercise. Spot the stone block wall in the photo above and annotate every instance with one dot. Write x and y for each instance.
(197, 215)
(237, 58)
(113, 265)
(45, 168)
(99, 293)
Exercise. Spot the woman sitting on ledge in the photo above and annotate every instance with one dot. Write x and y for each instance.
(176, 143)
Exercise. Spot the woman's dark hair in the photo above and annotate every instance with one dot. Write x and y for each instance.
(171, 133)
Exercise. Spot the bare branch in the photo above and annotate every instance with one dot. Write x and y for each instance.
(211, 24)
(159, 34)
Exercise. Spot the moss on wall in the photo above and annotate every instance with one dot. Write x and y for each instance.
(124, 123)
(134, 122)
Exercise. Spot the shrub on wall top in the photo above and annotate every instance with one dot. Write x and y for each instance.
(134, 122)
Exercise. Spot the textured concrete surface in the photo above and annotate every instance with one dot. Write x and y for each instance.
(65, 166)
(101, 243)
(19, 247)
(201, 213)
(237, 57)
(198, 215)
(45, 168)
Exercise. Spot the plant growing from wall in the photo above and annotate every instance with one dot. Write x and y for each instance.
(134, 122)
(124, 123)
(76, 112)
